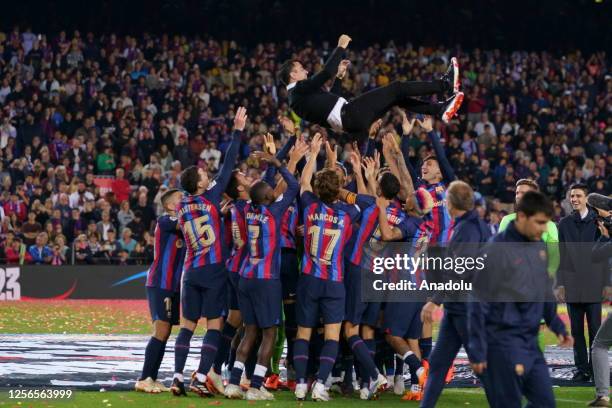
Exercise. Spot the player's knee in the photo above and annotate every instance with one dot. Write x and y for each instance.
(161, 330)
(234, 318)
(367, 332)
(188, 324)
(215, 324)
(350, 330)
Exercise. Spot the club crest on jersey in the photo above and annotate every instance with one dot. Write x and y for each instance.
(179, 243)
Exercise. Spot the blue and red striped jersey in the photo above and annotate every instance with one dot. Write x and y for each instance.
(441, 221)
(327, 229)
(238, 235)
(289, 226)
(169, 253)
(200, 221)
(368, 238)
(263, 228)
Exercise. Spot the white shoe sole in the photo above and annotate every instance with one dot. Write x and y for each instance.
(456, 78)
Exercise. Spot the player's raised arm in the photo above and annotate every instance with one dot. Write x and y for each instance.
(371, 167)
(405, 149)
(355, 160)
(297, 153)
(229, 162)
(309, 169)
(448, 174)
(387, 233)
(330, 69)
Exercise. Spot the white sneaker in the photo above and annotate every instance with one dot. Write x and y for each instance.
(267, 393)
(452, 107)
(390, 381)
(161, 386)
(233, 391)
(364, 393)
(147, 385)
(216, 381)
(300, 391)
(377, 385)
(319, 393)
(253, 394)
(399, 387)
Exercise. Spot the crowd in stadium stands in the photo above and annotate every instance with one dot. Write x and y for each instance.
(92, 128)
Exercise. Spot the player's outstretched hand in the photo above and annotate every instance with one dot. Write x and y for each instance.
(269, 145)
(240, 118)
(298, 151)
(342, 68)
(287, 124)
(332, 154)
(426, 124)
(369, 166)
(374, 128)
(407, 124)
(344, 41)
(315, 143)
(267, 157)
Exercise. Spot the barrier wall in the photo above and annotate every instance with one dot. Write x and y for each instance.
(28, 282)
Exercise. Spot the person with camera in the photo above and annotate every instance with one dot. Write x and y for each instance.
(602, 252)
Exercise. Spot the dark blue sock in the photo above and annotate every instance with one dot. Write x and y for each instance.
(181, 349)
(231, 358)
(347, 363)
(152, 351)
(425, 345)
(210, 346)
(399, 366)
(224, 346)
(371, 344)
(368, 368)
(160, 358)
(300, 359)
(413, 364)
(329, 352)
(236, 373)
(251, 362)
(258, 376)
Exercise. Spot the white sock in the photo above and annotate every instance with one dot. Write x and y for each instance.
(201, 377)
(178, 376)
(260, 370)
(420, 370)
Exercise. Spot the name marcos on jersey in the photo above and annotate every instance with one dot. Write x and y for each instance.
(327, 218)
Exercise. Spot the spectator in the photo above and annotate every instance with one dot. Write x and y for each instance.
(127, 242)
(40, 253)
(82, 254)
(125, 215)
(104, 225)
(31, 229)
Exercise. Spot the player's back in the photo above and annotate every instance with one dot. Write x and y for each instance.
(200, 221)
(169, 254)
(263, 243)
(327, 229)
(441, 221)
(238, 235)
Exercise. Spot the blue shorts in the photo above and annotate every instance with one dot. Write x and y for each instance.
(260, 302)
(289, 273)
(164, 305)
(358, 312)
(403, 319)
(232, 291)
(198, 301)
(319, 299)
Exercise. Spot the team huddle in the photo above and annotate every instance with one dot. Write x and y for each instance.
(285, 258)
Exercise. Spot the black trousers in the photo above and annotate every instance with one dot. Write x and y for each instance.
(577, 313)
(361, 111)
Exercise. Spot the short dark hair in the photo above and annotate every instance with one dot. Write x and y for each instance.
(167, 195)
(430, 157)
(534, 202)
(257, 192)
(284, 72)
(189, 179)
(327, 185)
(389, 185)
(528, 182)
(232, 186)
(579, 186)
(460, 195)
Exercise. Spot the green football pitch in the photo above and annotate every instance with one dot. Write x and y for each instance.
(452, 397)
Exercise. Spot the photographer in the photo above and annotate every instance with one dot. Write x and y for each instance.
(603, 340)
